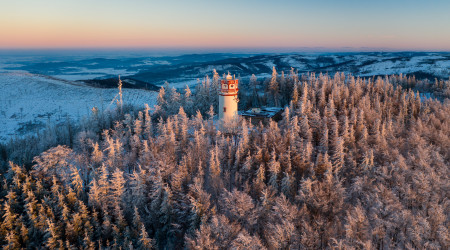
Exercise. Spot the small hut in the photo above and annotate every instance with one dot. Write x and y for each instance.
(263, 114)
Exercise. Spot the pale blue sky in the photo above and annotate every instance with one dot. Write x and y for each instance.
(395, 24)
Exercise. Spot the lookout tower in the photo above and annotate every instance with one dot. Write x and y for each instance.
(228, 100)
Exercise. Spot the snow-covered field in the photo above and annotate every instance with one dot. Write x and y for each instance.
(28, 102)
(83, 73)
(432, 64)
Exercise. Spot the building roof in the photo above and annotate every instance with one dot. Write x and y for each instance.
(266, 112)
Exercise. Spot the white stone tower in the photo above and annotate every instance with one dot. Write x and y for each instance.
(228, 99)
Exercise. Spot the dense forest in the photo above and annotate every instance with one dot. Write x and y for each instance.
(355, 163)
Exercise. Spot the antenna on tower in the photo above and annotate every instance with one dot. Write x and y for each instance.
(119, 102)
(120, 95)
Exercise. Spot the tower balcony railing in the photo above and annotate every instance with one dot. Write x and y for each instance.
(229, 91)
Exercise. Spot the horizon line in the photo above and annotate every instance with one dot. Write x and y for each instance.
(265, 49)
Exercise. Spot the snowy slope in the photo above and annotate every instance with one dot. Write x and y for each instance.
(189, 68)
(421, 64)
(431, 64)
(28, 102)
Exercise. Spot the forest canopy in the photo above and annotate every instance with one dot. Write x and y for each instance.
(355, 163)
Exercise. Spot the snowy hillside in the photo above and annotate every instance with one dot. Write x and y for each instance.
(28, 102)
(421, 64)
(186, 69)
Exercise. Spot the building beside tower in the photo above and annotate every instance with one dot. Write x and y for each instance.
(228, 98)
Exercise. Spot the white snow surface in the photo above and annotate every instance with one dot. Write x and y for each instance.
(294, 63)
(388, 66)
(83, 73)
(270, 64)
(28, 102)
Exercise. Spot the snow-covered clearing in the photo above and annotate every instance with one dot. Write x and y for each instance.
(430, 64)
(28, 102)
(83, 73)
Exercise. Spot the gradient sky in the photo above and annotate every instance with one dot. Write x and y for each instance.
(387, 24)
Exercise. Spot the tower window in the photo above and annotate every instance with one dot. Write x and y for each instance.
(224, 86)
(224, 109)
(232, 86)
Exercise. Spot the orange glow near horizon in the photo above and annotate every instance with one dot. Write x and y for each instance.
(140, 24)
